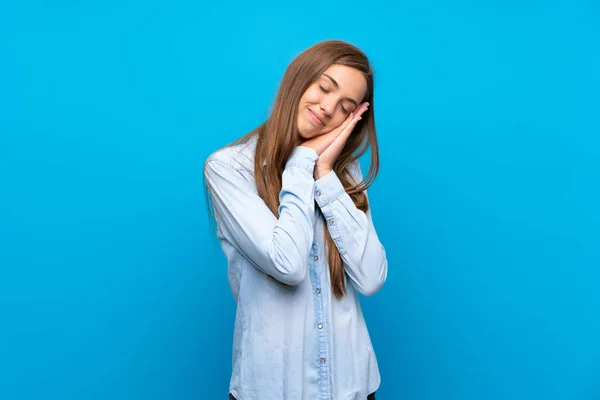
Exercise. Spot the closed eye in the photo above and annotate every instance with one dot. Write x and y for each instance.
(327, 91)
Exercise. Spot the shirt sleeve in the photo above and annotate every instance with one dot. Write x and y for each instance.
(278, 247)
(352, 230)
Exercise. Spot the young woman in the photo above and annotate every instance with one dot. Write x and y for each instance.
(294, 222)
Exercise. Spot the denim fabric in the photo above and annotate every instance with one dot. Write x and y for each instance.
(292, 338)
(369, 397)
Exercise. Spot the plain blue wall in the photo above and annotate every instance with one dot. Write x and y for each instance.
(112, 285)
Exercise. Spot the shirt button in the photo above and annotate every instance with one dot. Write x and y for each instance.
(330, 222)
(323, 361)
(318, 192)
(316, 258)
(318, 291)
(320, 326)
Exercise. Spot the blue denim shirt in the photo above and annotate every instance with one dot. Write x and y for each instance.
(295, 341)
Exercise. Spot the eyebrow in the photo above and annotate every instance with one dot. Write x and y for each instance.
(337, 87)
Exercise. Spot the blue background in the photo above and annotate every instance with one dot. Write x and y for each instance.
(112, 284)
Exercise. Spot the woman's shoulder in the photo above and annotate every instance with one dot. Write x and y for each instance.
(238, 155)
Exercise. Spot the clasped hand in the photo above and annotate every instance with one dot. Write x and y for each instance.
(329, 145)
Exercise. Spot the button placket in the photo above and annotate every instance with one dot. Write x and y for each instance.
(324, 350)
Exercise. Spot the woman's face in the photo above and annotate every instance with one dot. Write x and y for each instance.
(329, 100)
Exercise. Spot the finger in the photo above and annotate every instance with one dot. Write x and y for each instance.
(349, 128)
(330, 137)
(348, 120)
(362, 108)
(340, 129)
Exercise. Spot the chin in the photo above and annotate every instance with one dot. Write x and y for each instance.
(304, 133)
(308, 135)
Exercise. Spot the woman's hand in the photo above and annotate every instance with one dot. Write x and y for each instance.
(322, 142)
(329, 146)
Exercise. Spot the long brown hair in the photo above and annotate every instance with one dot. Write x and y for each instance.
(278, 136)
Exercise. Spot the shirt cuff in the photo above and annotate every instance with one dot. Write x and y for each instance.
(303, 157)
(328, 188)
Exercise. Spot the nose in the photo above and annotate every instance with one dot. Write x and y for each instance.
(327, 107)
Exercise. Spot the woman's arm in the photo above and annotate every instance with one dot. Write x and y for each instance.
(278, 247)
(353, 232)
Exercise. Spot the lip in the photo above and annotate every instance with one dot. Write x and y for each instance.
(315, 117)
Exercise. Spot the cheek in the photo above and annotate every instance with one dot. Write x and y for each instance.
(339, 119)
(312, 96)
